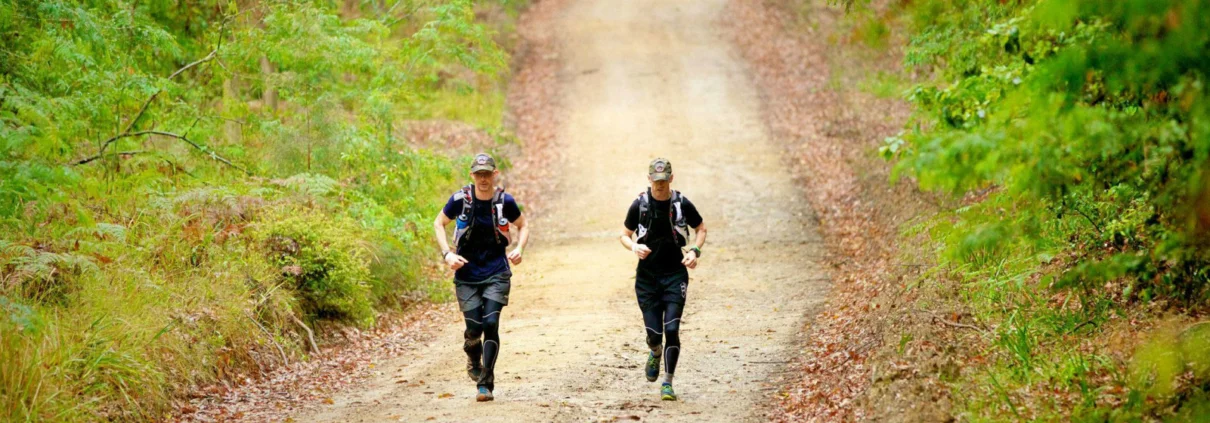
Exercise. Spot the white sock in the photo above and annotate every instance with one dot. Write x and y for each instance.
(668, 378)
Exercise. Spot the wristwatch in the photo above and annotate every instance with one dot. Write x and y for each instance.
(445, 254)
(697, 250)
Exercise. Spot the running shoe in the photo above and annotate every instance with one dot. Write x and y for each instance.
(653, 367)
(666, 392)
(486, 395)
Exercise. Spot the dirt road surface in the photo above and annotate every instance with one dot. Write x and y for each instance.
(641, 79)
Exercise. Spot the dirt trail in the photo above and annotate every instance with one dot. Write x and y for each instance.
(641, 79)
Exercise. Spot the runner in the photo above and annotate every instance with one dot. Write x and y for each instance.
(661, 281)
(482, 277)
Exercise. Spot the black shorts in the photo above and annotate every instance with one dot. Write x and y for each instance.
(654, 289)
(471, 294)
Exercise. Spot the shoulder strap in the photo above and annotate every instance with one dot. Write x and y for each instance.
(499, 196)
(679, 217)
(644, 222)
(468, 196)
(498, 219)
(465, 220)
(498, 207)
(644, 208)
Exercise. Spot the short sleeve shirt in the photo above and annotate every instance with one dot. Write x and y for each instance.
(666, 256)
(484, 255)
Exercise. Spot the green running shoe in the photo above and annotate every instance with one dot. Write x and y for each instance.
(653, 367)
(666, 392)
(486, 395)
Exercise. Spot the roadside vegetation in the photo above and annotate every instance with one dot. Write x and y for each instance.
(1067, 144)
(190, 190)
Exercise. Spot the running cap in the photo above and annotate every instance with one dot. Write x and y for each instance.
(660, 169)
(483, 162)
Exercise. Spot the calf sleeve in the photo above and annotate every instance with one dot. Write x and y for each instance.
(653, 323)
(473, 344)
(672, 335)
(491, 342)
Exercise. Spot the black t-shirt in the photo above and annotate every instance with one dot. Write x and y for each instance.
(485, 257)
(665, 254)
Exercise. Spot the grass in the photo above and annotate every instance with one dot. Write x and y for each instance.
(140, 288)
(128, 282)
(1067, 354)
(483, 109)
(194, 291)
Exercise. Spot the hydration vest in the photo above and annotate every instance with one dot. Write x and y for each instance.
(465, 223)
(676, 217)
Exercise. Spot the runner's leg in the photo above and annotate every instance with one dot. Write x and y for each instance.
(672, 336)
(473, 345)
(491, 342)
(653, 322)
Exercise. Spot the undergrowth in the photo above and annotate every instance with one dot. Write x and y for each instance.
(1070, 142)
(184, 186)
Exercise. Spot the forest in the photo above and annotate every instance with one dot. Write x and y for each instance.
(188, 187)
(195, 192)
(1069, 143)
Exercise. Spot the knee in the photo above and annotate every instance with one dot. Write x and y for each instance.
(491, 326)
(673, 327)
(654, 339)
(672, 331)
(473, 331)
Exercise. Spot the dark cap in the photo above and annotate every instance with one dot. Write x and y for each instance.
(660, 169)
(483, 162)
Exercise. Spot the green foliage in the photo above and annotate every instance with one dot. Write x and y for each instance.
(1072, 110)
(1075, 137)
(151, 151)
(326, 259)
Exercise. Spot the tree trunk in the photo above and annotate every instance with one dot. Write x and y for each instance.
(270, 94)
(231, 128)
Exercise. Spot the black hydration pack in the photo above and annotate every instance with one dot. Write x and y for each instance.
(680, 228)
(465, 222)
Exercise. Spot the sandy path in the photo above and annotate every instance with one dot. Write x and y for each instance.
(642, 78)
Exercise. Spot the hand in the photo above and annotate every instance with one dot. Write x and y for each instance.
(690, 259)
(640, 250)
(454, 261)
(515, 256)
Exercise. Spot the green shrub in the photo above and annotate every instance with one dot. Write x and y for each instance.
(1074, 139)
(142, 264)
(328, 259)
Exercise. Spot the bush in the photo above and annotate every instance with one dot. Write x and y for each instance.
(1074, 140)
(1087, 119)
(153, 263)
(326, 257)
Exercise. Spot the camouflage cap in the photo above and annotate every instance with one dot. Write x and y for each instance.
(660, 169)
(483, 162)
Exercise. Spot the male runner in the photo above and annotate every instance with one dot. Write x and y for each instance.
(659, 220)
(482, 275)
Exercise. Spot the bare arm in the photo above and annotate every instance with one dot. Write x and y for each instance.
(453, 260)
(700, 237)
(699, 240)
(522, 239)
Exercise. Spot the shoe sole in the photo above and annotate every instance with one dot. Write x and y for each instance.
(668, 397)
(484, 398)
